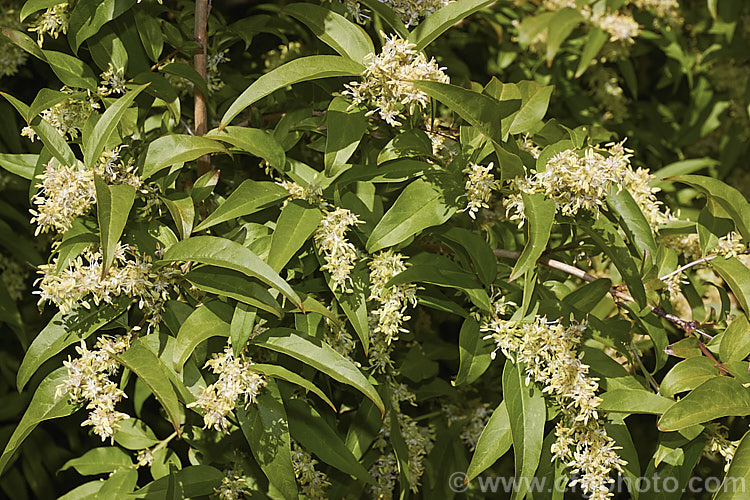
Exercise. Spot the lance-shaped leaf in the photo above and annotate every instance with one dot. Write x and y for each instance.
(176, 148)
(22, 165)
(634, 222)
(308, 427)
(64, 330)
(493, 443)
(478, 109)
(231, 255)
(249, 197)
(540, 213)
(95, 141)
(738, 475)
(333, 29)
(634, 401)
(475, 353)
(729, 198)
(182, 209)
(152, 372)
(89, 16)
(527, 414)
(737, 277)
(113, 204)
(99, 460)
(319, 355)
(195, 480)
(608, 239)
(715, 398)
(255, 141)
(203, 323)
(345, 129)
(241, 327)
(266, 428)
(419, 206)
(476, 248)
(282, 373)
(43, 406)
(439, 22)
(229, 283)
(298, 70)
(297, 222)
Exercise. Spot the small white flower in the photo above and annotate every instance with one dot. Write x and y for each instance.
(339, 253)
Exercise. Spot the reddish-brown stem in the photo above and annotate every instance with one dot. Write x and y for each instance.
(199, 61)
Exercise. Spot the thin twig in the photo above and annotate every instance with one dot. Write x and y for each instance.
(690, 327)
(199, 61)
(689, 265)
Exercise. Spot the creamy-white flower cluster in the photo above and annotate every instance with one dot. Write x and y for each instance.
(237, 380)
(480, 184)
(581, 182)
(67, 192)
(549, 353)
(386, 82)
(213, 75)
(729, 245)
(131, 275)
(88, 380)
(234, 485)
(339, 253)
(419, 441)
(621, 27)
(719, 443)
(112, 82)
(410, 11)
(668, 9)
(313, 483)
(390, 314)
(53, 22)
(67, 117)
(311, 194)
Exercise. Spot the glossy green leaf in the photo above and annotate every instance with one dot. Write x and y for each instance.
(249, 197)
(480, 253)
(203, 323)
(729, 198)
(733, 486)
(266, 428)
(440, 21)
(479, 110)
(182, 209)
(282, 373)
(634, 401)
(255, 141)
(241, 326)
(43, 406)
(231, 255)
(419, 206)
(62, 331)
(121, 482)
(22, 165)
(309, 428)
(187, 72)
(735, 344)
(229, 283)
(335, 30)
(152, 372)
(595, 40)
(150, 33)
(494, 442)
(715, 398)
(113, 204)
(354, 303)
(320, 356)
(527, 414)
(608, 239)
(345, 129)
(633, 221)
(32, 6)
(687, 375)
(134, 434)
(295, 71)
(540, 214)
(474, 353)
(172, 149)
(297, 222)
(737, 277)
(95, 142)
(88, 16)
(100, 460)
(411, 143)
(196, 480)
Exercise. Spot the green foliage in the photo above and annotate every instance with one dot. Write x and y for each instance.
(368, 248)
